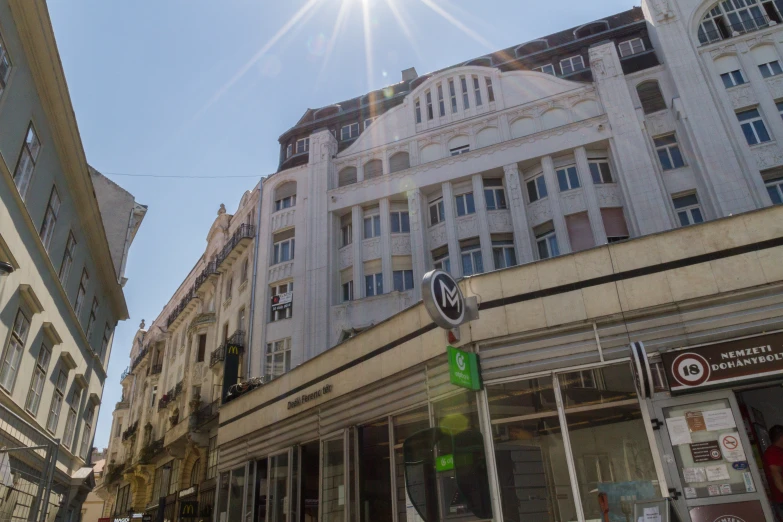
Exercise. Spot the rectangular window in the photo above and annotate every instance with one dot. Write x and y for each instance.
(668, 150)
(614, 224)
(27, 159)
(348, 291)
(153, 395)
(65, 266)
(50, 218)
(437, 212)
(453, 95)
(417, 110)
(368, 122)
(174, 476)
(39, 376)
(403, 280)
(91, 320)
(289, 149)
(477, 91)
(285, 313)
(536, 188)
(400, 223)
(105, 340)
(440, 259)
(118, 427)
(229, 286)
(770, 69)
(5, 66)
(70, 420)
(86, 432)
(546, 240)
(503, 254)
(572, 64)
(441, 102)
(465, 101)
(212, 458)
(472, 262)
(278, 359)
(57, 402)
(775, 190)
(14, 351)
(202, 347)
(732, 78)
(490, 90)
(456, 151)
(631, 47)
(373, 285)
(600, 171)
(688, 209)
(83, 283)
(123, 501)
(347, 234)
(244, 272)
(428, 98)
(753, 127)
(286, 202)
(465, 204)
(372, 226)
(580, 232)
(546, 69)
(494, 195)
(349, 132)
(780, 108)
(283, 251)
(567, 178)
(302, 145)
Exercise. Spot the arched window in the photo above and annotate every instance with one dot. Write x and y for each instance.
(347, 176)
(531, 47)
(399, 161)
(650, 95)
(591, 29)
(730, 17)
(373, 169)
(483, 62)
(194, 473)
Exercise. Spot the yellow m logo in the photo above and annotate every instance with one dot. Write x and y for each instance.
(233, 349)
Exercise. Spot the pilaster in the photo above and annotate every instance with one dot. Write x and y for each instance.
(386, 264)
(558, 219)
(591, 198)
(451, 229)
(483, 222)
(516, 205)
(418, 239)
(357, 224)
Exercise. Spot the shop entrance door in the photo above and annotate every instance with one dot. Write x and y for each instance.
(707, 458)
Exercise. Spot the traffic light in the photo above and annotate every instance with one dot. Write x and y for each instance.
(446, 475)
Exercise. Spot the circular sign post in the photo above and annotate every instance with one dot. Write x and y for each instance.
(443, 299)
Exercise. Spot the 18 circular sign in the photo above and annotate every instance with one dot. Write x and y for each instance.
(691, 369)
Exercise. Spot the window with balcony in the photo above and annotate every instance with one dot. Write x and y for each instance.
(14, 350)
(403, 280)
(571, 65)
(494, 194)
(464, 204)
(567, 178)
(372, 226)
(349, 132)
(753, 126)
(536, 188)
(600, 171)
(470, 252)
(400, 223)
(283, 289)
(57, 402)
(631, 47)
(546, 241)
(278, 359)
(503, 253)
(688, 209)
(669, 155)
(50, 218)
(283, 247)
(27, 160)
(39, 376)
(580, 232)
(437, 212)
(728, 17)
(373, 284)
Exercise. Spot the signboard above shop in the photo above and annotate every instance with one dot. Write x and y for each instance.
(723, 364)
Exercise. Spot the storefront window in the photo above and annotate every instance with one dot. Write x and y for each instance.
(333, 480)
(223, 497)
(236, 494)
(457, 413)
(531, 461)
(309, 506)
(261, 489)
(278, 488)
(375, 473)
(405, 425)
(609, 442)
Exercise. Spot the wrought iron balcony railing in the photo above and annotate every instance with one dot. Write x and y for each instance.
(131, 431)
(139, 357)
(125, 373)
(150, 451)
(219, 354)
(207, 413)
(122, 405)
(209, 270)
(156, 369)
(245, 231)
(170, 396)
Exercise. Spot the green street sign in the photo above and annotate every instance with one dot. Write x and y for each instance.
(464, 369)
(444, 463)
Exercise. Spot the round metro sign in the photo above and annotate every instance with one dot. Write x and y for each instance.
(443, 299)
(691, 369)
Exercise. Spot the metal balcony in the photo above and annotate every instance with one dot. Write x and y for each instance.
(207, 414)
(150, 451)
(209, 271)
(125, 373)
(122, 405)
(236, 245)
(169, 397)
(238, 338)
(156, 369)
(140, 357)
(130, 432)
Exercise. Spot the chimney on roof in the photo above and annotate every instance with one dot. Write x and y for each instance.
(409, 74)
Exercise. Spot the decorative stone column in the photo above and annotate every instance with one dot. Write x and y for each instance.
(419, 250)
(558, 219)
(357, 225)
(386, 261)
(591, 198)
(483, 222)
(516, 205)
(451, 229)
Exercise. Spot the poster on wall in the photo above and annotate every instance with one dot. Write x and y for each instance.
(735, 511)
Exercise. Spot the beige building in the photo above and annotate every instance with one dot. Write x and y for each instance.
(92, 509)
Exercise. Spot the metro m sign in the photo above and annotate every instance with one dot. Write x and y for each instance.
(444, 301)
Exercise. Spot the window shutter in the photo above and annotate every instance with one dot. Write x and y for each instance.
(651, 97)
(373, 169)
(579, 232)
(399, 161)
(347, 176)
(614, 222)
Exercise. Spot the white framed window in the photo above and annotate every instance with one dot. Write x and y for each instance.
(417, 110)
(403, 280)
(348, 291)
(50, 218)
(347, 234)
(753, 126)
(153, 395)
(770, 69)
(14, 350)
(453, 95)
(567, 178)
(289, 149)
(87, 431)
(546, 69)
(368, 121)
(373, 284)
(280, 289)
(631, 47)
(372, 226)
(440, 259)
(503, 253)
(494, 194)
(91, 319)
(465, 204)
(572, 64)
(57, 402)
(70, 420)
(734, 16)
(490, 89)
(437, 212)
(39, 376)
(464, 85)
(67, 262)
(286, 202)
(668, 150)
(780, 108)
(428, 99)
(775, 190)
(278, 360)
(400, 223)
(244, 271)
(472, 262)
(546, 241)
(302, 145)
(441, 101)
(105, 340)
(283, 251)
(31, 148)
(456, 151)
(536, 188)
(732, 78)
(5, 66)
(600, 171)
(688, 209)
(229, 286)
(349, 132)
(477, 91)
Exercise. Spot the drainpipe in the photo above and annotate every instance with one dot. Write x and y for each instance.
(251, 319)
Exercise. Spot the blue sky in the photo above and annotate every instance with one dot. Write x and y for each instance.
(205, 88)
